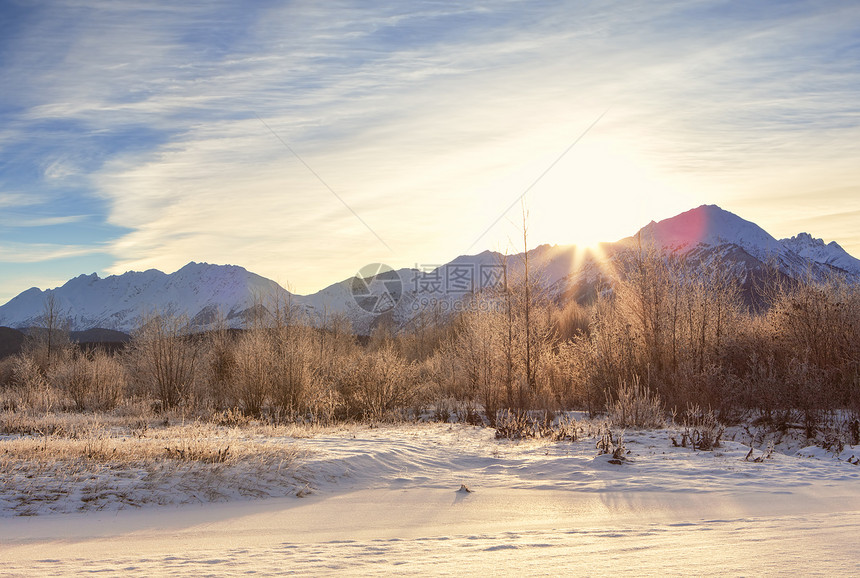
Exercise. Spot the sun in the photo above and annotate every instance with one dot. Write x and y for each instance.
(603, 190)
(601, 194)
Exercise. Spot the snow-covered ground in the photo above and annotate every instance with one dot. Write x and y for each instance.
(385, 500)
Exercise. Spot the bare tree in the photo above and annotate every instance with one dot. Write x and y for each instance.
(50, 337)
(253, 370)
(220, 360)
(164, 358)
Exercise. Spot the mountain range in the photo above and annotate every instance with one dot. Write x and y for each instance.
(203, 292)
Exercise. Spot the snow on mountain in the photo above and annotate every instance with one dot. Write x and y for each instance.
(198, 290)
(713, 226)
(707, 231)
(817, 250)
(202, 291)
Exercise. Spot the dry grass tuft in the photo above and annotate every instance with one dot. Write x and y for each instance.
(83, 465)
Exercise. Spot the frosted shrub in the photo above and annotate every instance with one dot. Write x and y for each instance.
(30, 389)
(26, 373)
(294, 379)
(72, 376)
(814, 335)
(701, 430)
(108, 381)
(252, 371)
(220, 364)
(516, 425)
(95, 382)
(392, 386)
(611, 443)
(636, 406)
(6, 371)
(375, 385)
(163, 359)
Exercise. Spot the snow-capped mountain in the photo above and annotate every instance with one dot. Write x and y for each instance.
(708, 231)
(198, 290)
(817, 250)
(202, 291)
(709, 234)
(710, 225)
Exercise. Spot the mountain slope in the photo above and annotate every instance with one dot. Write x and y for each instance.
(817, 250)
(119, 302)
(11, 341)
(710, 225)
(203, 292)
(707, 230)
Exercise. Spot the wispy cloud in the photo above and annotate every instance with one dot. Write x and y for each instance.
(17, 220)
(40, 252)
(17, 200)
(426, 119)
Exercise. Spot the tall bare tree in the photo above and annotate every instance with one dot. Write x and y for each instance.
(164, 358)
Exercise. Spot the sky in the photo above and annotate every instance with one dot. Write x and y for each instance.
(303, 140)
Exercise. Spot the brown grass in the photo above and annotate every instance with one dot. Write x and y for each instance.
(83, 464)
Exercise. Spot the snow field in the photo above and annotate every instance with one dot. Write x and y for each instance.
(383, 499)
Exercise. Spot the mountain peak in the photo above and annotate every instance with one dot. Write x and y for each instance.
(121, 301)
(201, 290)
(817, 250)
(805, 240)
(709, 225)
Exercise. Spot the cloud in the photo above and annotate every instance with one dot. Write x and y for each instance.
(40, 252)
(14, 220)
(17, 200)
(426, 119)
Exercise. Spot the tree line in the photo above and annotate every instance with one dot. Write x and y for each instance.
(681, 331)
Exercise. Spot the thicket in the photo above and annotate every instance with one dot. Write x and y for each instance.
(666, 336)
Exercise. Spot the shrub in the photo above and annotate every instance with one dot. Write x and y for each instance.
(30, 388)
(373, 385)
(94, 382)
(163, 359)
(294, 378)
(701, 430)
(636, 406)
(252, 371)
(517, 425)
(609, 443)
(7, 367)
